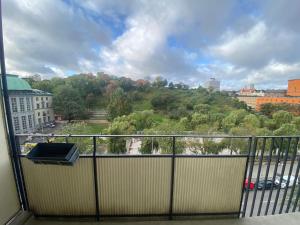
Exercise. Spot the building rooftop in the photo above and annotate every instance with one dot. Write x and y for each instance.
(15, 83)
(40, 92)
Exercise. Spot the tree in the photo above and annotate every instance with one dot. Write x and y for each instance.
(149, 145)
(251, 120)
(282, 117)
(202, 108)
(163, 101)
(119, 104)
(159, 82)
(287, 129)
(234, 119)
(171, 85)
(68, 103)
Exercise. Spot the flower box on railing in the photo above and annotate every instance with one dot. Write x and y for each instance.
(54, 153)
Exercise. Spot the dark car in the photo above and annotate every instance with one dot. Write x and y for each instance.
(268, 184)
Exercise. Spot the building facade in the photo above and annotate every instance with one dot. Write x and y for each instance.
(294, 88)
(249, 100)
(292, 96)
(24, 106)
(212, 84)
(265, 100)
(43, 111)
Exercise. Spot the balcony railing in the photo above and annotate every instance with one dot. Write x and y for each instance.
(178, 180)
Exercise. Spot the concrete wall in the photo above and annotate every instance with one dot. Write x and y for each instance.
(9, 202)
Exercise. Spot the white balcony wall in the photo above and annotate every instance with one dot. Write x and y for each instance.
(9, 201)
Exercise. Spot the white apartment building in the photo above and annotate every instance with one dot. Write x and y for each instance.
(30, 108)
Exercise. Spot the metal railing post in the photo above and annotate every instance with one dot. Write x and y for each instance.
(286, 152)
(96, 178)
(274, 174)
(258, 175)
(294, 186)
(252, 157)
(172, 178)
(289, 175)
(266, 178)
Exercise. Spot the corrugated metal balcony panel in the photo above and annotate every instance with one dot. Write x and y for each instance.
(208, 185)
(60, 190)
(134, 185)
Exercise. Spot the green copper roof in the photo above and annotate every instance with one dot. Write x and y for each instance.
(15, 83)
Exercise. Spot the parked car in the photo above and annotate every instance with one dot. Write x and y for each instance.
(51, 125)
(268, 184)
(251, 186)
(285, 183)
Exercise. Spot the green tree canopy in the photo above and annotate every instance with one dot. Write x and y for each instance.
(68, 103)
(119, 104)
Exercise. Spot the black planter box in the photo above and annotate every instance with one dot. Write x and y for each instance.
(54, 153)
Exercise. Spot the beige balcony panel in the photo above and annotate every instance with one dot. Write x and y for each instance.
(60, 190)
(208, 185)
(9, 202)
(134, 185)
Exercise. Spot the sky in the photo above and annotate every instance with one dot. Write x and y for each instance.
(236, 41)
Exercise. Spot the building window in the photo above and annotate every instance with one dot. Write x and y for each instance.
(37, 106)
(40, 121)
(39, 113)
(30, 121)
(46, 98)
(14, 105)
(47, 105)
(24, 126)
(16, 123)
(37, 98)
(22, 105)
(44, 119)
(43, 105)
(28, 104)
(42, 98)
(48, 118)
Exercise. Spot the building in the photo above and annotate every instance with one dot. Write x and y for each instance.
(43, 111)
(212, 84)
(275, 93)
(249, 100)
(251, 91)
(26, 110)
(21, 105)
(249, 94)
(293, 88)
(292, 95)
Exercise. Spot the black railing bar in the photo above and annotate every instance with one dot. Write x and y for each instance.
(245, 175)
(252, 155)
(153, 156)
(172, 178)
(289, 176)
(286, 152)
(137, 215)
(22, 175)
(274, 175)
(96, 179)
(130, 135)
(258, 175)
(293, 187)
(296, 200)
(266, 178)
(151, 135)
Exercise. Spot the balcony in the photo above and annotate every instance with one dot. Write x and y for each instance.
(169, 186)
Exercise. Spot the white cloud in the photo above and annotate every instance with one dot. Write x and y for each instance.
(235, 41)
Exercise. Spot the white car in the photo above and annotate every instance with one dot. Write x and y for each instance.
(284, 181)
